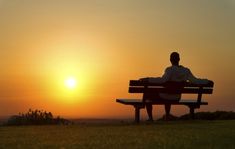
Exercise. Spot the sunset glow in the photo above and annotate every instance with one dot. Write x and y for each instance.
(71, 83)
(74, 58)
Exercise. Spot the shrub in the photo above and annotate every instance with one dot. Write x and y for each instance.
(36, 117)
(217, 115)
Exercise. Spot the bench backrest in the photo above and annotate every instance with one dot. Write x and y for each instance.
(137, 86)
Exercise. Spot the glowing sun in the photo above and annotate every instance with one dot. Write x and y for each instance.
(71, 83)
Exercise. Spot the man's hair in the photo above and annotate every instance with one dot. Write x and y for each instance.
(175, 57)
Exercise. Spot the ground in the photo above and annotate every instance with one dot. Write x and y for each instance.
(176, 134)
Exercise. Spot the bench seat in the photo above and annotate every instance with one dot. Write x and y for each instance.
(140, 101)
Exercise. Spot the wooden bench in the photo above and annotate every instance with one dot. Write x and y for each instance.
(145, 87)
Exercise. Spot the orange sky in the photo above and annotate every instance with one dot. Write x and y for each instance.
(104, 44)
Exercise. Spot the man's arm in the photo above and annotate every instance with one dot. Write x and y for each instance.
(195, 80)
(163, 79)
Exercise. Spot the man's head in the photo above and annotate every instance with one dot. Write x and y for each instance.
(175, 58)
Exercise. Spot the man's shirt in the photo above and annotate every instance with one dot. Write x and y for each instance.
(177, 74)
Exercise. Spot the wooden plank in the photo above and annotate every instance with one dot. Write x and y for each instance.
(161, 102)
(187, 84)
(130, 101)
(186, 102)
(172, 91)
(146, 83)
(181, 102)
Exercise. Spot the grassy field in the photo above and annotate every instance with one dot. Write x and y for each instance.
(177, 134)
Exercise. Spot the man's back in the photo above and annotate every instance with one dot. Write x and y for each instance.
(178, 74)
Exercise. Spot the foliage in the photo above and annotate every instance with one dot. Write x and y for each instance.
(36, 117)
(217, 115)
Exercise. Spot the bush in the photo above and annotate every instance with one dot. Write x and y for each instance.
(217, 115)
(36, 117)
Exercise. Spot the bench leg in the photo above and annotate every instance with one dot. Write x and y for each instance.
(167, 110)
(192, 112)
(137, 114)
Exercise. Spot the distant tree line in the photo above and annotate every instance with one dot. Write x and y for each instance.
(36, 117)
(217, 115)
(40, 117)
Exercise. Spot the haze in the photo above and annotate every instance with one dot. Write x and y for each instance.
(104, 44)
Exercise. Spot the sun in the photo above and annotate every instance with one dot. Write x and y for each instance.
(71, 83)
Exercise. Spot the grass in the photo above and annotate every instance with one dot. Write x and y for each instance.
(177, 134)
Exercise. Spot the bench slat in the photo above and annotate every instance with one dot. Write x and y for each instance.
(130, 101)
(140, 101)
(187, 84)
(167, 90)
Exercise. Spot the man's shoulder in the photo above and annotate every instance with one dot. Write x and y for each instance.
(177, 68)
(183, 67)
(169, 68)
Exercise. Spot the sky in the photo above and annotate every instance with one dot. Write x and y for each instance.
(103, 44)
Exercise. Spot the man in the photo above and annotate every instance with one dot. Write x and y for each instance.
(175, 73)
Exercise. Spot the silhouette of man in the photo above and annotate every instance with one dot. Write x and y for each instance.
(175, 73)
